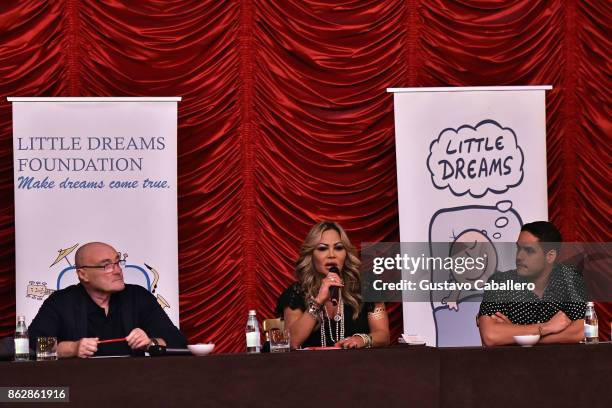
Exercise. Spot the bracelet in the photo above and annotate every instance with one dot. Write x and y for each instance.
(313, 309)
(367, 339)
(378, 313)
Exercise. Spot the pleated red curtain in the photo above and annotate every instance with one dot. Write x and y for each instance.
(285, 120)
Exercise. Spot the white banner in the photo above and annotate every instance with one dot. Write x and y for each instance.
(471, 164)
(95, 169)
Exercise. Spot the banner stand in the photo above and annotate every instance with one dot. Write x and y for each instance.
(470, 160)
(95, 169)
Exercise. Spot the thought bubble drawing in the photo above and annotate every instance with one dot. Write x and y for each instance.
(476, 159)
(493, 228)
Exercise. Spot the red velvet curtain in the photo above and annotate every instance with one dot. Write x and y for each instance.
(285, 120)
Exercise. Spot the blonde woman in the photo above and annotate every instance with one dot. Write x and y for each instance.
(311, 316)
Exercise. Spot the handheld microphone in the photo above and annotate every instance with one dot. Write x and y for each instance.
(334, 291)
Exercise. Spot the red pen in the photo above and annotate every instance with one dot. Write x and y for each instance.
(112, 340)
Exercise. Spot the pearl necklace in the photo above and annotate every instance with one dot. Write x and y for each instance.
(338, 318)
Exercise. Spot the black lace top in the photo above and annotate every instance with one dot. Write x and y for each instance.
(294, 298)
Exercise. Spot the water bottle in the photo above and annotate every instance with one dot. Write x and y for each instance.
(591, 332)
(253, 339)
(22, 342)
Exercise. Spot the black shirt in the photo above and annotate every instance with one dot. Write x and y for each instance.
(564, 292)
(294, 298)
(70, 315)
(107, 326)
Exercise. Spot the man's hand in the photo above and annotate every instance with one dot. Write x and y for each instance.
(138, 339)
(499, 317)
(556, 324)
(86, 347)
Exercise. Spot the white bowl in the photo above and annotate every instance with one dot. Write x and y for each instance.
(527, 340)
(201, 349)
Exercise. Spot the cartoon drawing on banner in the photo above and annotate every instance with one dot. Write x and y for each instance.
(464, 229)
(476, 159)
(132, 274)
(472, 161)
(470, 243)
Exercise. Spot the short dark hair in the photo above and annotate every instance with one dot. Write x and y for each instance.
(546, 232)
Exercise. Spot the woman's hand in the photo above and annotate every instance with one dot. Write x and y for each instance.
(351, 342)
(332, 279)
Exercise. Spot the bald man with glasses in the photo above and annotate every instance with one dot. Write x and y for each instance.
(103, 307)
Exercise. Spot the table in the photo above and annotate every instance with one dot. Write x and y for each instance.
(556, 376)
(406, 376)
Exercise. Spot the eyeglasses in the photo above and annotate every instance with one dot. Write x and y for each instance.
(110, 266)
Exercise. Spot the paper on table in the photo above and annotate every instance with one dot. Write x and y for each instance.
(413, 339)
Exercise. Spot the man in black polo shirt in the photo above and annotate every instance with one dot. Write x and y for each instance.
(555, 307)
(103, 307)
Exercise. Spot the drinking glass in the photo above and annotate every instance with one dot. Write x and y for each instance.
(279, 341)
(46, 348)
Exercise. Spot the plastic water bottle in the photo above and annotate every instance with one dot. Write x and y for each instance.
(22, 342)
(253, 339)
(591, 332)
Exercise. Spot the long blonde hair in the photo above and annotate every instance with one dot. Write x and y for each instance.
(310, 279)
